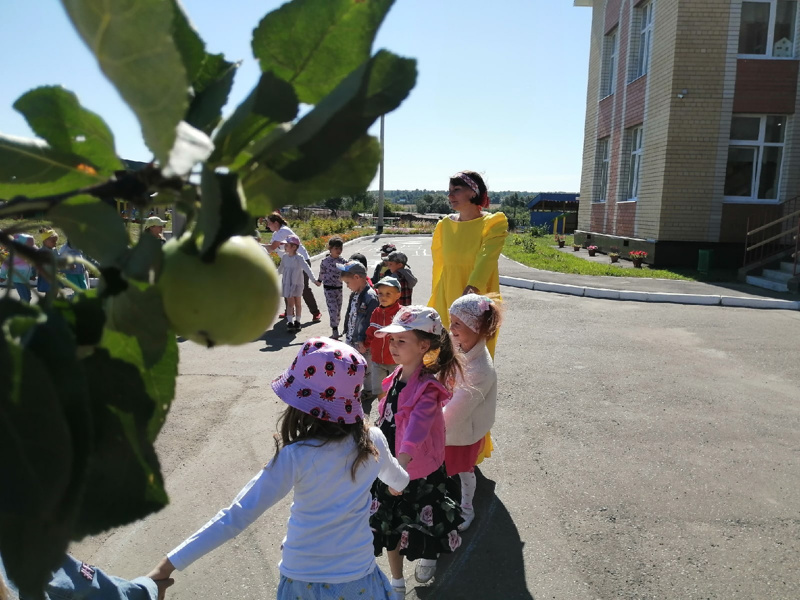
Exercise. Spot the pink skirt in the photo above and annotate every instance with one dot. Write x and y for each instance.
(461, 459)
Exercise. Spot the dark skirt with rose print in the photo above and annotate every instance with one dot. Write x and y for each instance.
(423, 521)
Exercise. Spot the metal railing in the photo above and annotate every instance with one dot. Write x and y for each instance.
(775, 238)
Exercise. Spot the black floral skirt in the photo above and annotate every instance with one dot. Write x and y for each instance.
(422, 522)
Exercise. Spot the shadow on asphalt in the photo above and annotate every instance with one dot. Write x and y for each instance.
(278, 338)
(489, 563)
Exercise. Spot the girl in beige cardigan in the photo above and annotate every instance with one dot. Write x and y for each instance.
(469, 415)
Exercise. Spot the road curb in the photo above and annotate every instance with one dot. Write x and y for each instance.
(638, 296)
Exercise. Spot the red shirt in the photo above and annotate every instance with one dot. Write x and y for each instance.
(381, 317)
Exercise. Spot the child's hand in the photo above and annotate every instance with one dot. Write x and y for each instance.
(361, 347)
(318, 283)
(162, 571)
(162, 585)
(394, 492)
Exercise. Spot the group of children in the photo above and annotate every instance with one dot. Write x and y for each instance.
(385, 486)
(21, 272)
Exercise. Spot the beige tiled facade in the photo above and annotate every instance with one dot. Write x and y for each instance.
(684, 103)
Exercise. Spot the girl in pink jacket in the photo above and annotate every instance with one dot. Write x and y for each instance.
(422, 521)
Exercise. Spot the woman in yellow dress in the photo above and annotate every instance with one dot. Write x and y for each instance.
(466, 248)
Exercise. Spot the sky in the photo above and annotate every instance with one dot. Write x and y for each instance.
(501, 87)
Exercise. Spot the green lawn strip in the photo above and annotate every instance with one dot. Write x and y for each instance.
(548, 258)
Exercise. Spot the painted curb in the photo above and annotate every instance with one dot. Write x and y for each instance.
(637, 296)
(760, 303)
(707, 300)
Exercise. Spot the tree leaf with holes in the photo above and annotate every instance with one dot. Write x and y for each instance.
(314, 44)
(93, 226)
(133, 43)
(31, 168)
(56, 116)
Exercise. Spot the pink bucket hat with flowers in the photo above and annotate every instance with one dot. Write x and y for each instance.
(411, 317)
(325, 381)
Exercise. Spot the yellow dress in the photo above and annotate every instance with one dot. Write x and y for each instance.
(466, 253)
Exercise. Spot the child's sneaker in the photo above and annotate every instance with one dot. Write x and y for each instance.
(316, 318)
(335, 334)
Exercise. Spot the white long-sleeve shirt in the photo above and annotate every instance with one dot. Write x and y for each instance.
(470, 413)
(328, 539)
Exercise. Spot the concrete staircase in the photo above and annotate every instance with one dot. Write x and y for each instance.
(776, 279)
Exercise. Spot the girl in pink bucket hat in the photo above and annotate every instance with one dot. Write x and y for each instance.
(328, 454)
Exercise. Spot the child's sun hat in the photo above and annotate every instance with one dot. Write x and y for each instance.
(325, 381)
(470, 308)
(411, 317)
(389, 281)
(292, 239)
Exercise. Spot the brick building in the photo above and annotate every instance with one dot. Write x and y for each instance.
(689, 124)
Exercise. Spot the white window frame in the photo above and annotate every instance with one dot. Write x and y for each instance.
(603, 169)
(610, 62)
(642, 44)
(759, 145)
(635, 145)
(773, 15)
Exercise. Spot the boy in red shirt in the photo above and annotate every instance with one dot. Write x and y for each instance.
(383, 365)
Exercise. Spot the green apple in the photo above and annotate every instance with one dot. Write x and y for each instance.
(232, 300)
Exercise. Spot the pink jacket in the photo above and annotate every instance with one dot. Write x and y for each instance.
(419, 421)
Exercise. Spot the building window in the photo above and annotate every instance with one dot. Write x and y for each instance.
(755, 155)
(767, 28)
(609, 81)
(634, 166)
(641, 44)
(603, 163)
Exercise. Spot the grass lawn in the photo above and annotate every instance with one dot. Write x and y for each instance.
(540, 253)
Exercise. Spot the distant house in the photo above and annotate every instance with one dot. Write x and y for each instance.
(691, 125)
(545, 207)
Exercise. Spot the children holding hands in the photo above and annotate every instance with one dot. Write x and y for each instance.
(292, 268)
(423, 521)
(324, 444)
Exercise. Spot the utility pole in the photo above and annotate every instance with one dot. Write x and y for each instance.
(379, 228)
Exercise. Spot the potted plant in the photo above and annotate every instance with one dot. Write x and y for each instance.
(576, 246)
(613, 254)
(561, 240)
(592, 250)
(637, 256)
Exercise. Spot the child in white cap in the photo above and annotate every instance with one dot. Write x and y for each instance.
(331, 458)
(423, 521)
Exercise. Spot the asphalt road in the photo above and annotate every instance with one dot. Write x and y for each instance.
(643, 451)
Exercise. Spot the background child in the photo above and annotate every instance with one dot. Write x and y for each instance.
(388, 290)
(382, 269)
(363, 260)
(469, 415)
(363, 300)
(292, 268)
(331, 280)
(398, 265)
(423, 521)
(324, 444)
(20, 270)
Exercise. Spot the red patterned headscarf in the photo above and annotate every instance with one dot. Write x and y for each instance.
(473, 185)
